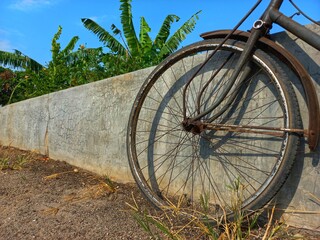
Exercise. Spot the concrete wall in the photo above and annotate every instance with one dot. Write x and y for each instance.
(86, 126)
(300, 196)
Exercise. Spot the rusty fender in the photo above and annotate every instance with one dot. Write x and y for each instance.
(285, 56)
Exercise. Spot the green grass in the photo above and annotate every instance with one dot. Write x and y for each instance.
(13, 164)
(9, 160)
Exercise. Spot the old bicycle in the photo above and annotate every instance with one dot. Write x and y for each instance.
(219, 116)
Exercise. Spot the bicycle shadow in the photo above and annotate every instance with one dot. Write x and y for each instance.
(207, 150)
(298, 188)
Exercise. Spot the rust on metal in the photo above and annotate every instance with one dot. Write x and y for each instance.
(313, 132)
(277, 132)
(197, 127)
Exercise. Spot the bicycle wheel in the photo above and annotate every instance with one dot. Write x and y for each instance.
(223, 165)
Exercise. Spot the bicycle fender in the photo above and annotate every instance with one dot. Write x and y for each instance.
(313, 132)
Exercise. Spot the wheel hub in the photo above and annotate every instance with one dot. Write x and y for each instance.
(195, 127)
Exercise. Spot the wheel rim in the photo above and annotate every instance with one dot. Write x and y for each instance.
(213, 167)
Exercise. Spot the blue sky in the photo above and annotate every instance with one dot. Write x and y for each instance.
(29, 25)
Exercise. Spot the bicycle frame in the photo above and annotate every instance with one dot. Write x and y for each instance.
(273, 15)
(199, 124)
(260, 28)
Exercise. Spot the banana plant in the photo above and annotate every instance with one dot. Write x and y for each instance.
(19, 60)
(70, 66)
(140, 48)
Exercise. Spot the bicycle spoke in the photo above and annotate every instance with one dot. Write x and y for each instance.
(179, 155)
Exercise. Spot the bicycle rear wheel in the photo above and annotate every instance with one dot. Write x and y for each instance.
(218, 167)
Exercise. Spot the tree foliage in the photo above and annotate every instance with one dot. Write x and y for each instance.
(68, 67)
(128, 50)
(139, 50)
(19, 60)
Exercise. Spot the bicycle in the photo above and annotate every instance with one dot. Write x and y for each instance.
(220, 116)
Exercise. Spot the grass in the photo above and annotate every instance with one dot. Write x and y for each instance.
(176, 223)
(170, 225)
(102, 187)
(173, 222)
(12, 161)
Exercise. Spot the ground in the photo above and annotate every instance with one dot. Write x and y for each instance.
(41, 198)
(47, 199)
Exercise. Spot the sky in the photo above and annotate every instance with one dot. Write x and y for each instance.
(29, 25)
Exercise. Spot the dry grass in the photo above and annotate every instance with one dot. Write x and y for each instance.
(179, 224)
(102, 188)
(173, 222)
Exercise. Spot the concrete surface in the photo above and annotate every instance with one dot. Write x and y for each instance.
(86, 126)
(300, 196)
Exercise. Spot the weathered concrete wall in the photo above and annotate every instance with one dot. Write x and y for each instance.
(86, 126)
(300, 196)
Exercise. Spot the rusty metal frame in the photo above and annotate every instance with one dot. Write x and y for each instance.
(313, 132)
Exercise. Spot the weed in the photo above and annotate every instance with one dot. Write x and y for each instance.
(13, 162)
(109, 184)
(177, 223)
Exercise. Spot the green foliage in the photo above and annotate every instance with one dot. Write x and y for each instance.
(18, 60)
(5, 85)
(71, 67)
(28, 84)
(10, 163)
(68, 68)
(136, 52)
(174, 41)
(21, 84)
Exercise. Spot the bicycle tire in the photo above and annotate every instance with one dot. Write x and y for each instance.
(214, 168)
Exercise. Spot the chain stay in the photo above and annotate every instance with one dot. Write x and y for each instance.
(278, 132)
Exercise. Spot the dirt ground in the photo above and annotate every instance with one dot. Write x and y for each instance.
(42, 198)
(47, 199)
